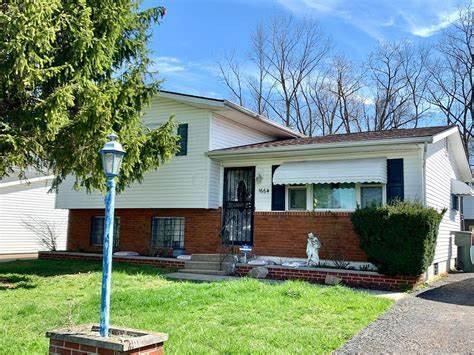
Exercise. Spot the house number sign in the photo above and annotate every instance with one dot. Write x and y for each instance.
(264, 190)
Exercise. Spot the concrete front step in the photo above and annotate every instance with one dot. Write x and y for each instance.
(202, 265)
(203, 272)
(206, 257)
(199, 277)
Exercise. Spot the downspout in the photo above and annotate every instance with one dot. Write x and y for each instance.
(424, 153)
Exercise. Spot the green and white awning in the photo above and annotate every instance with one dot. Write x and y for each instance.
(372, 170)
(460, 188)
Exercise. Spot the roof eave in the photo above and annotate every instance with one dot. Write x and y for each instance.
(243, 110)
(305, 147)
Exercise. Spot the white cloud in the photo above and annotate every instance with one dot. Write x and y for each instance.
(189, 77)
(444, 22)
(421, 18)
(166, 65)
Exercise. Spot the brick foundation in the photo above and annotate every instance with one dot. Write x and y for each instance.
(351, 278)
(281, 234)
(201, 234)
(286, 233)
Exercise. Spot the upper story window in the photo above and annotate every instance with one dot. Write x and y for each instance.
(97, 231)
(334, 196)
(455, 202)
(183, 139)
(297, 197)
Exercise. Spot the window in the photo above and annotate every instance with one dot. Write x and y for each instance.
(167, 232)
(334, 196)
(297, 197)
(455, 202)
(97, 230)
(183, 139)
(371, 196)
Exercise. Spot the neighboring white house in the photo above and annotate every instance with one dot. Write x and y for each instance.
(242, 177)
(26, 208)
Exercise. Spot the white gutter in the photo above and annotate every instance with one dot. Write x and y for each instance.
(305, 147)
(423, 187)
(26, 181)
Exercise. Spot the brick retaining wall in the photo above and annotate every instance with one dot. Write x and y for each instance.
(165, 263)
(366, 279)
(353, 278)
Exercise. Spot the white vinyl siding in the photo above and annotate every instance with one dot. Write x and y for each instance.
(179, 183)
(24, 203)
(226, 133)
(440, 169)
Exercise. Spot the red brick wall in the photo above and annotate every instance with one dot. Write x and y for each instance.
(286, 234)
(275, 233)
(201, 232)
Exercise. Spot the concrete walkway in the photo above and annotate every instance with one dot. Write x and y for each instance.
(438, 319)
(13, 257)
(185, 276)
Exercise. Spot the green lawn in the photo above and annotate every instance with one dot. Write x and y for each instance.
(243, 316)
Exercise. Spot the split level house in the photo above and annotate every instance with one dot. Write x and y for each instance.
(240, 178)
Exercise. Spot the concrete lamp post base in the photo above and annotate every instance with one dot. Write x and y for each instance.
(85, 340)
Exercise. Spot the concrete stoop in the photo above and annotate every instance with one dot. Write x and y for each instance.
(204, 264)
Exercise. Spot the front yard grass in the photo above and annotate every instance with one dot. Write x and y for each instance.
(243, 316)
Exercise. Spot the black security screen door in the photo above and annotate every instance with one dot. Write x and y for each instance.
(239, 192)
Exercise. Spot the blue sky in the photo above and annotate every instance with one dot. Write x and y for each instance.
(195, 34)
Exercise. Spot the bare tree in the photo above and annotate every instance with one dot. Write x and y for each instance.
(231, 76)
(452, 74)
(334, 98)
(260, 87)
(44, 231)
(284, 54)
(295, 50)
(397, 77)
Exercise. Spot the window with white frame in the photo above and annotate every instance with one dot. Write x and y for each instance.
(371, 195)
(297, 197)
(334, 196)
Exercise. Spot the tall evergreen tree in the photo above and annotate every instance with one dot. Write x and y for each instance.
(72, 71)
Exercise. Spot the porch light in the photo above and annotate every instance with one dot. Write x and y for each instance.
(112, 154)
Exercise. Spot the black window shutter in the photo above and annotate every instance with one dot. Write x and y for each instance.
(278, 194)
(183, 139)
(395, 186)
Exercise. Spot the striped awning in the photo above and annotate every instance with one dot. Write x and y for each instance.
(372, 170)
(460, 188)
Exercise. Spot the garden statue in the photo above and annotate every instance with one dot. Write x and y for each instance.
(312, 249)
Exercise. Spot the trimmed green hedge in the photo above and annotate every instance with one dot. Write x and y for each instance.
(400, 239)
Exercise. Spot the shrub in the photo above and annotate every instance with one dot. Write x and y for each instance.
(400, 239)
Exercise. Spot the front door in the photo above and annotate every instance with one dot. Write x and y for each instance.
(238, 203)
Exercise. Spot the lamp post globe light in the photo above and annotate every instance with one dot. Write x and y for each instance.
(112, 154)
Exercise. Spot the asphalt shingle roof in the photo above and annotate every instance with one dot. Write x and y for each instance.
(348, 137)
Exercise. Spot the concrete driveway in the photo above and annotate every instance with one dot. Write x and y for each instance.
(438, 319)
